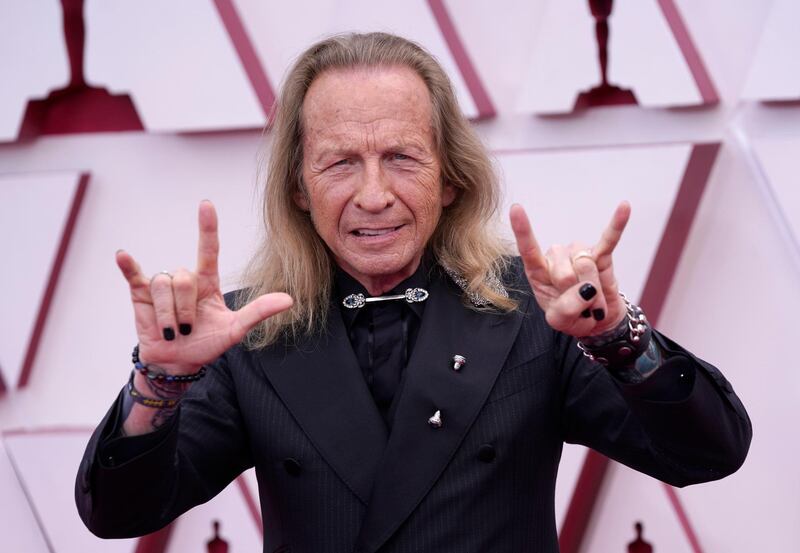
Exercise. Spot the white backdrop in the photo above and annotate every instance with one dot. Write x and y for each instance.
(732, 301)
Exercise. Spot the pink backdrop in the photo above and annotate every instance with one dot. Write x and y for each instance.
(171, 111)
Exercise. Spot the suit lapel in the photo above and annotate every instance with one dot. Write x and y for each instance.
(417, 453)
(321, 384)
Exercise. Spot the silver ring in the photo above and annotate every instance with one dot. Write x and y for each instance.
(166, 273)
(582, 253)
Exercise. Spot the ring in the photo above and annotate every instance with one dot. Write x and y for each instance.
(582, 253)
(166, 273)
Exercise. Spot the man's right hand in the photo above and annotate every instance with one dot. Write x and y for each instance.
(181, 319)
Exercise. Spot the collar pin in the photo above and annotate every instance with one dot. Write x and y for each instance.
(458, 362)
(411, 295)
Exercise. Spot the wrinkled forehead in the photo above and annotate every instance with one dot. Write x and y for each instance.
(366, 95)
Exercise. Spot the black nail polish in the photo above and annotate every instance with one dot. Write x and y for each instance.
(587, 291)
(598, 314)
(185, 329)
(169, 333)
(586, 313)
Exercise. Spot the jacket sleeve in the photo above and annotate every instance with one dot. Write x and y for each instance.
(683, 425)
(130, 486)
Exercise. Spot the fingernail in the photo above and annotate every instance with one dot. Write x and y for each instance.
(185, 329)
(599, 314)
(587, 291)
(586, 313)
(169, 333)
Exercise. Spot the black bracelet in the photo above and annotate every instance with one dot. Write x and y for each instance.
(629, 341)
(161, 377)
(148, 401)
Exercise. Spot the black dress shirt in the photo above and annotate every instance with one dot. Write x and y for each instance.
(383, 334)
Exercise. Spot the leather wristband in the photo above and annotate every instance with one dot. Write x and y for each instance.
(630, 340)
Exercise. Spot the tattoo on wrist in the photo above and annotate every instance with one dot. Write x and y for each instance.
(164, 396)
(165, 390)
(162, 417)
(650, 360)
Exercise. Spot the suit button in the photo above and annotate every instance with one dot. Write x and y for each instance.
(486, 453)
(292, 466)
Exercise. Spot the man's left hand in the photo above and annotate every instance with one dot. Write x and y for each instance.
(574, 285)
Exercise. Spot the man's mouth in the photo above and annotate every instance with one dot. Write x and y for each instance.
(374, 231)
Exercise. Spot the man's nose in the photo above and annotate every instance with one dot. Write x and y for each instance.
(374, 191)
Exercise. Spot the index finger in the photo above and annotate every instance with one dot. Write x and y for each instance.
(535, 263)
(139, 284)
(613, 232)
(208, 242)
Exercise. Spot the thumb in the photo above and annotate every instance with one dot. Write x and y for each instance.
(259, 309)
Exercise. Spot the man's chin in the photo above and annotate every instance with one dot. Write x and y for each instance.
(379, 270)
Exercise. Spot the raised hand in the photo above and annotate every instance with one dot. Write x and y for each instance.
(181, 318)
(574, 285)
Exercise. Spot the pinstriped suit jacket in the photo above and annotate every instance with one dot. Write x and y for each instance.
(331, 479)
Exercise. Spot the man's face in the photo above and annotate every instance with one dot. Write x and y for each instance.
(371, 173)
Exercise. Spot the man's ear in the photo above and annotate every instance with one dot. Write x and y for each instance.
(449, 193)
(300, 198)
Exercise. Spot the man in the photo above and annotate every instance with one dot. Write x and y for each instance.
(407, 392)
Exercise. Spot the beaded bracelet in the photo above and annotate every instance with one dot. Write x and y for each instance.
(161, 377)
(148, 401)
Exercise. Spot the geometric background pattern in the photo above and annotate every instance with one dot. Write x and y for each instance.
(38, 212)
(711, 178)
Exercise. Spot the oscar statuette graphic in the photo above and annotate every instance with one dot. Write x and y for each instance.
(605, 93)
(639, 545)
(78, 107)
(217, 544)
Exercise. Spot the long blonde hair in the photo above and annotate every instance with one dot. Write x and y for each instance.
(293, 258)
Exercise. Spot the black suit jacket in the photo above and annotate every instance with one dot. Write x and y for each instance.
(331, 479)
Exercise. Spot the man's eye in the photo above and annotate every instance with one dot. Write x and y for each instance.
(400, 157)
(344, 161)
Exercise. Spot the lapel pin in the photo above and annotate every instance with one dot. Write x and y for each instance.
(436, 420)
(458, 362)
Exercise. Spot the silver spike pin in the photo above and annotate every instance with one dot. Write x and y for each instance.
(436, 420)
(458, 362)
